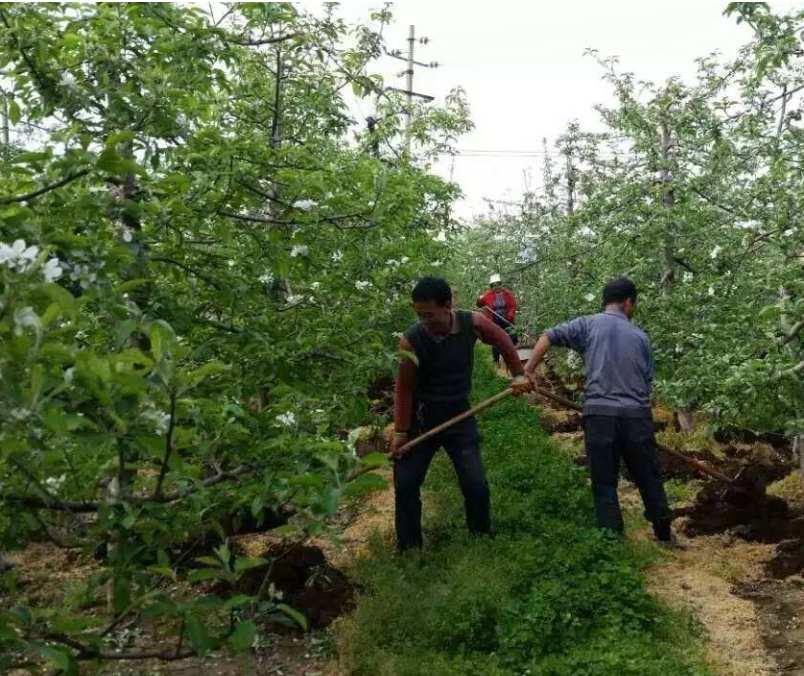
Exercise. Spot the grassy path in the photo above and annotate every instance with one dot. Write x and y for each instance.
(550, 595)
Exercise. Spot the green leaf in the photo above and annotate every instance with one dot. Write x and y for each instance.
(199, 637)
(59, 295)
(293, 614)
(365, 483)
(30, 157)
(164, 571)
(14, 113)
(243, 636)
(203, 574)
(131, 284)
(163, 340)
(61, 658)
(119, 137)
(237, 600)
(248, 562)
(375, 460)
(196, 376)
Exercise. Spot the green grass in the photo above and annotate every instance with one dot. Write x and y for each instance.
(550, 595)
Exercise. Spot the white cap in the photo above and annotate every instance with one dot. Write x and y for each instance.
(495, 278)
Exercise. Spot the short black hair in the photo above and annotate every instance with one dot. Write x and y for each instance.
(432, 288)
(619, 290)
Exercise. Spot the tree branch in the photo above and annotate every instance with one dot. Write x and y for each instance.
(793, 332)
(88, 652)
(47, 188)
(57, 505)
(262, 41)
(168, 447)
(186, 268)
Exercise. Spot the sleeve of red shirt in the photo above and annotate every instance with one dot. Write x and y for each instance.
(511, 307)
(491, 334)
(403, 389)
(488, 302)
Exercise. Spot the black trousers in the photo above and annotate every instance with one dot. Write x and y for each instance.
(462, 444)
(607, 439)
(506, 325)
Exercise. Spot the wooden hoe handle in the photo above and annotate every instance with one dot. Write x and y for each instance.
(453, 421)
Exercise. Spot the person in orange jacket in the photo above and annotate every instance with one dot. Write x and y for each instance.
(500, 307)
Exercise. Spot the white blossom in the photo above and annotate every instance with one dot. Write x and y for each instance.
(360, 285)
(392, 263)
(337, 256)
(128, 234)
(404, 260)
(52, 270)
(55, 483)
(304, 205)
(69, 374)
(715, 252)
(711, 290)
(589, 297)
(26, 318)
(437, 264)
(67, 79)
(18, 256)
(299, 250)
(20, 413)
(398, 335)
(288, 419)
(266, 278)
(687, 276)
(181, 119)
(293, 299)
(83, 274)
(159, 419)
(315, 286)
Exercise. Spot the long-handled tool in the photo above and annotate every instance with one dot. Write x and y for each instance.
(458, 418)
(519, 330)
(691, 462)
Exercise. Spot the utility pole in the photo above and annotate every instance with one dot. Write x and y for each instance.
(6, 130)
(411, 45)
(408, 72)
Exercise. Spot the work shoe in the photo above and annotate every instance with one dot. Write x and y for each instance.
(673, 543)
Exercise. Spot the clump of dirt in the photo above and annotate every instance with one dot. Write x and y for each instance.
(789, 558)
(744, 508)
(559, 420)
(381, 395)
(307, 581)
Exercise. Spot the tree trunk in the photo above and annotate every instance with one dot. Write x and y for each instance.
(686, 422)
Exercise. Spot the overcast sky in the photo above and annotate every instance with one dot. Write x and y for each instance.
(525, 73)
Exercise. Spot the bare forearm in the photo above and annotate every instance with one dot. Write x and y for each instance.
(542, 346)
(491, 334)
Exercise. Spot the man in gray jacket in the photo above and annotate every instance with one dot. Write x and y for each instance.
(617, 413)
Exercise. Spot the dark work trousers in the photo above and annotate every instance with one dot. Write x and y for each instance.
(506, 325)
(608, 438)
(462, 444)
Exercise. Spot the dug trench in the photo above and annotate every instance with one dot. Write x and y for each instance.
(741, 566)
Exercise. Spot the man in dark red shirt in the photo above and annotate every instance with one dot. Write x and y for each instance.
(500, 308)
(431, 389)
